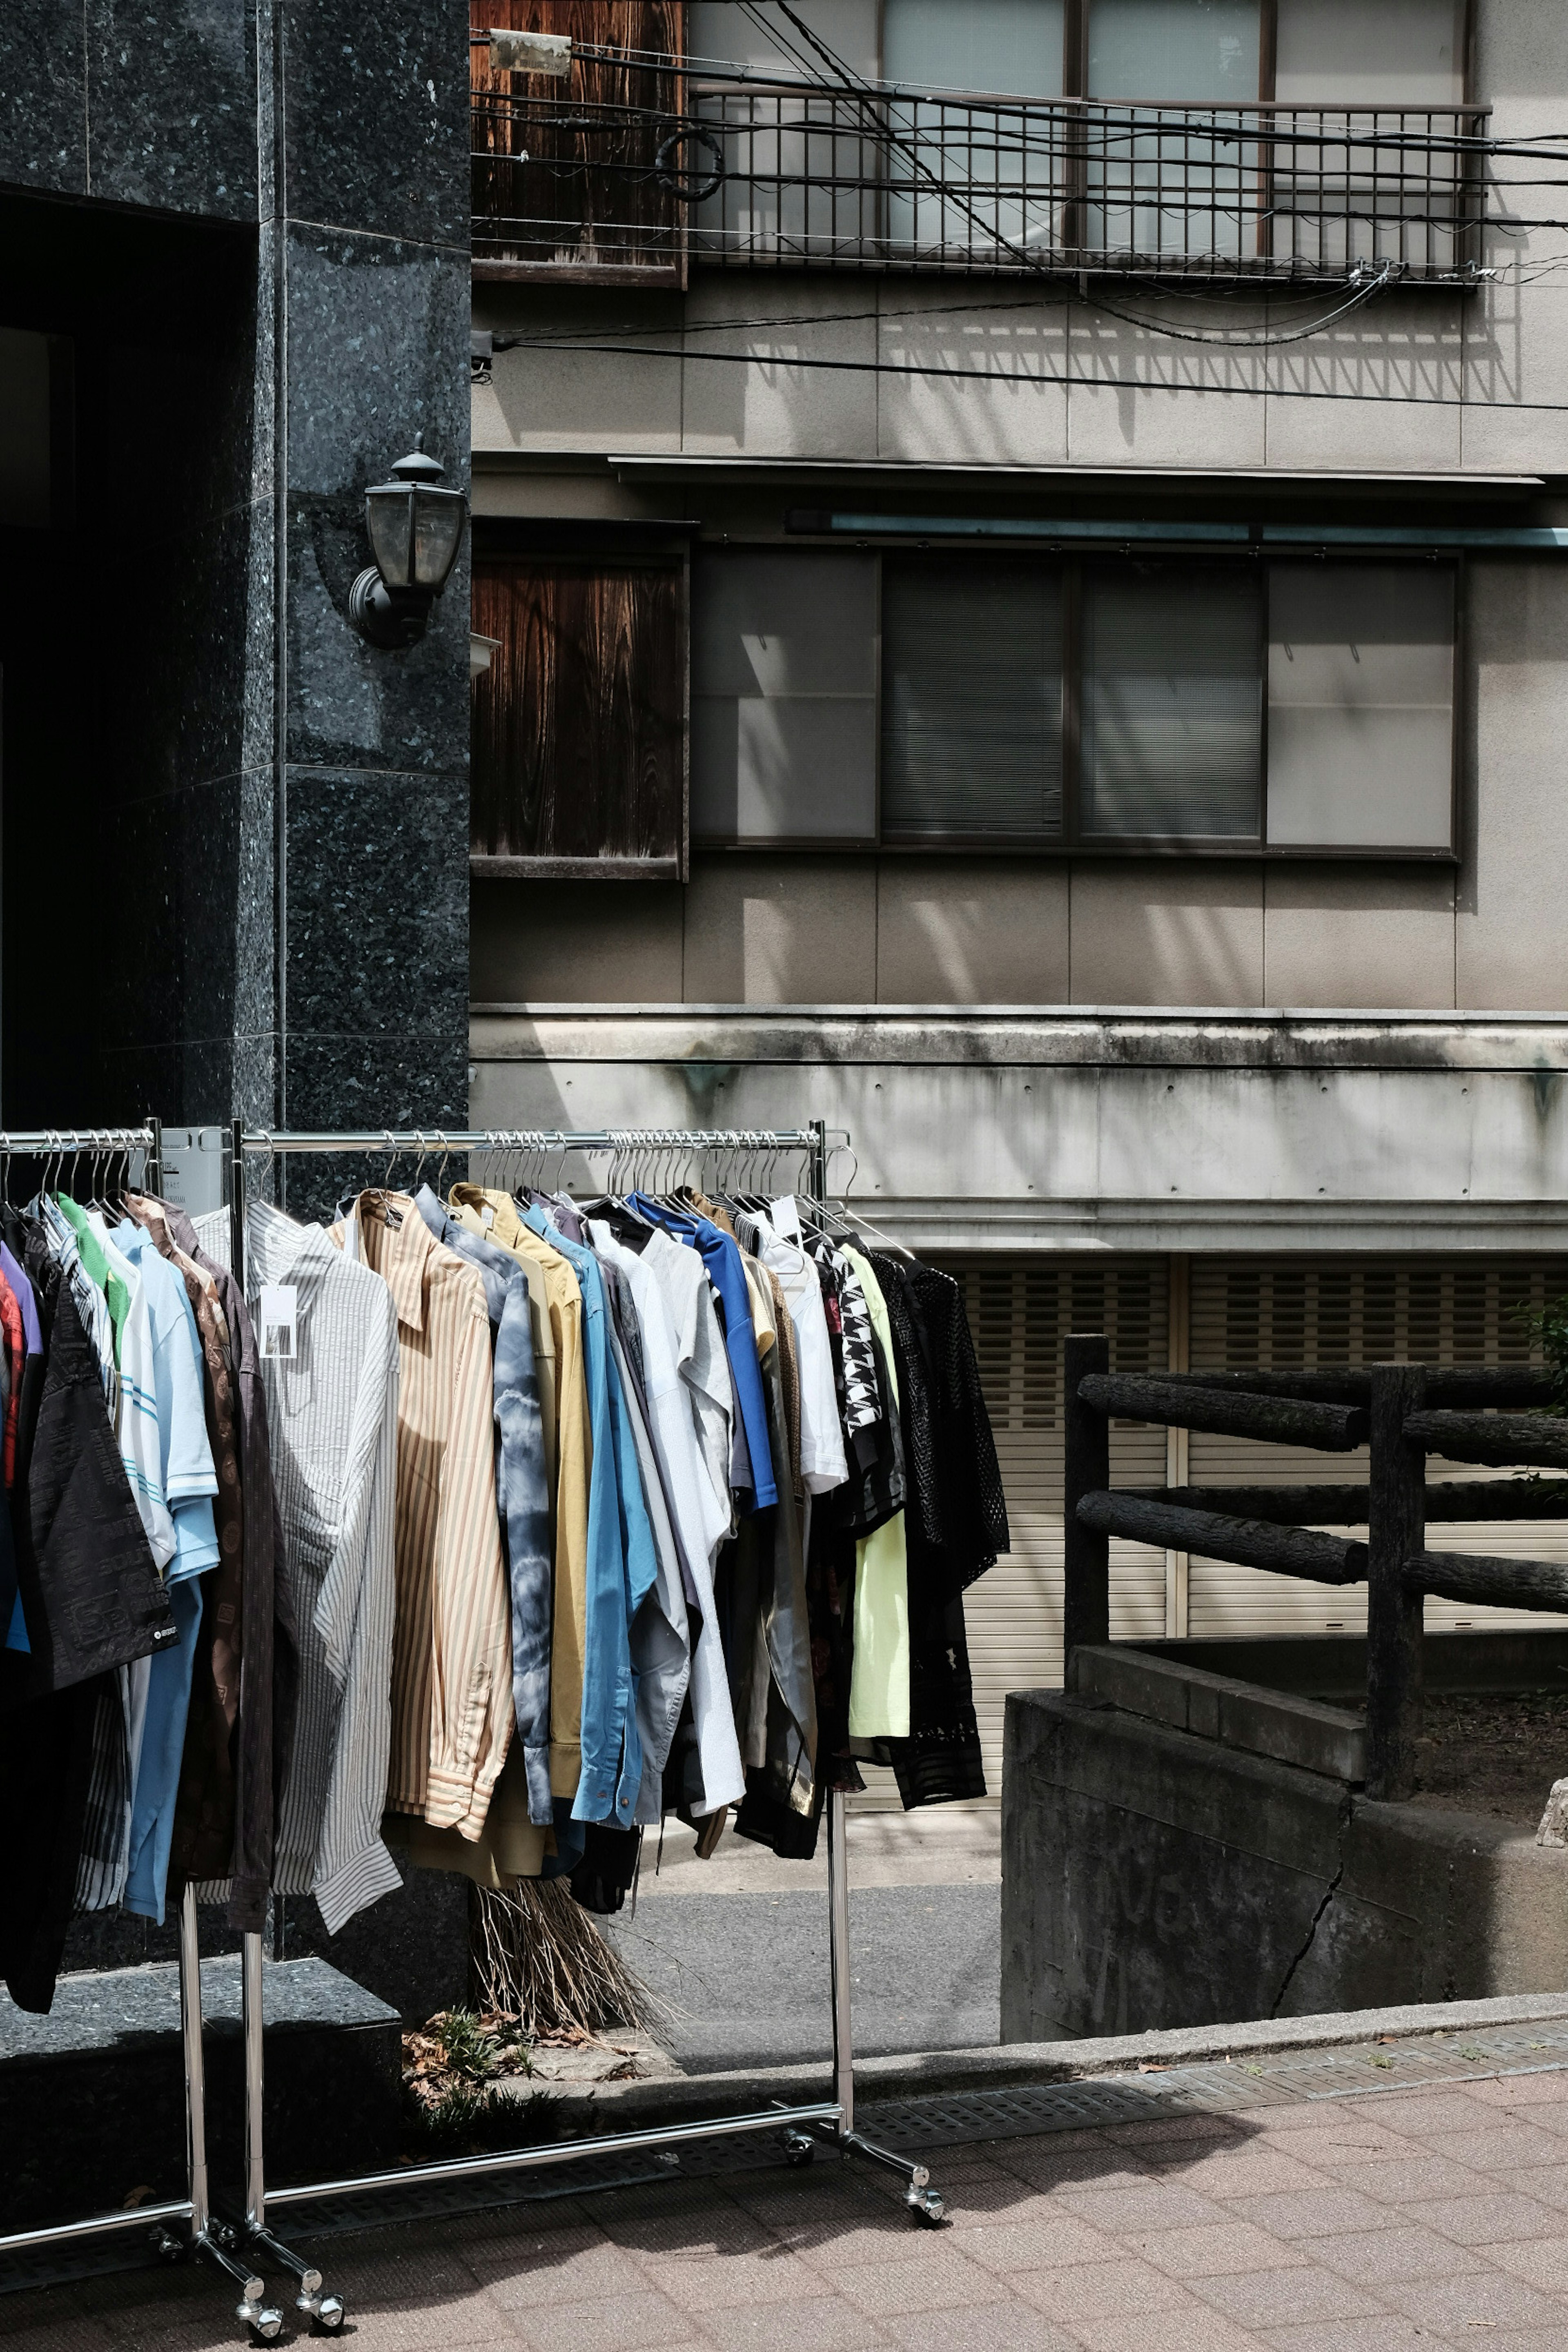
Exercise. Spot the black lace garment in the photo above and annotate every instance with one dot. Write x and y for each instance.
(956, 1525)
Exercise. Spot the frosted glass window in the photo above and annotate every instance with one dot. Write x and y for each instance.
(972, 701)
(1174, 52)
(1360, 705)
(764, 36)
(1172, 704)
(783, 695)
(1344, 53)
(1005, 49)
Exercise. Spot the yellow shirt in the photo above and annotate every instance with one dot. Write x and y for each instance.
(564, 1307)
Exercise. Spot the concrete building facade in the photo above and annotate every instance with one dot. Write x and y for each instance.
(1089, 481)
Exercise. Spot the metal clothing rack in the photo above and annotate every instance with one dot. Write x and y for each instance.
(210, 2239)
(832, 2120)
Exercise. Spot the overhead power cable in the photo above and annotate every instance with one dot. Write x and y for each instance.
(1037, 376)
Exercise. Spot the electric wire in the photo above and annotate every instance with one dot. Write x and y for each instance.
(1045, 376)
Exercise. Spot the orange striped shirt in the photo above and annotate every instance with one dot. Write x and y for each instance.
(451, 1652)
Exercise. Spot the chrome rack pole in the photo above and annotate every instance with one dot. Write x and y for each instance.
(924, 2202)
(325, 2311)
(212, 2240)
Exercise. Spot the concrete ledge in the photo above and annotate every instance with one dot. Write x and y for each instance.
(629, 2106)
(92, 2096)
(1301, 1731)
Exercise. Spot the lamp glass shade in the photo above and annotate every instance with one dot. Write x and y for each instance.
(438, 518)
(389, 519)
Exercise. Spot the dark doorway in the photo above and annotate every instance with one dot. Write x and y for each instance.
(128, 451)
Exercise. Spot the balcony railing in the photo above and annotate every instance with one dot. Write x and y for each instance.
(651, 174)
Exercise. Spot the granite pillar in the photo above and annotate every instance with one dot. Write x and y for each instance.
(370, 242)
(251, 221)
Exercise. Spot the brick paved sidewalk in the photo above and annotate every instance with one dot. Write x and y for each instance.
(1425, 2219)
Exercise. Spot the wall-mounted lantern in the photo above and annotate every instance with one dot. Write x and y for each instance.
(416, 528)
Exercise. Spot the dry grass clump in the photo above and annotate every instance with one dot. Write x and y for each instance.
(539, 1962)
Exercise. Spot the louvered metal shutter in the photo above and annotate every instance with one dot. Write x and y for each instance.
(1286, 1313)
(1021, 1311)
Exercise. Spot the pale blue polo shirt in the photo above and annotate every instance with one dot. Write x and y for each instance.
(190, 1482)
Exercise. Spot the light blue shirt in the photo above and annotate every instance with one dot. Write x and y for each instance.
(622, 1564)
(190, 1482)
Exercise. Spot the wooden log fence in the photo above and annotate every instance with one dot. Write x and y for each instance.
(1279, 1420)
(1448, 1500)
(1251, 1543)
(1489, 1580)
(1499, 1438)
(1490, 1390)
(1404, 1413)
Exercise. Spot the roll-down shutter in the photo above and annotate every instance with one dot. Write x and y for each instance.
(1021, 1311)
(1322, 1313)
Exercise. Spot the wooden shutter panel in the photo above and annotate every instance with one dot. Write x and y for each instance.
(579, 724)
(568, 176)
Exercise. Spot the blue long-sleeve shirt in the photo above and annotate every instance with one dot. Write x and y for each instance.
(722, 1256)
(622, 1565)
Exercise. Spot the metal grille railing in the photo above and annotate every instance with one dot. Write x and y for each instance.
(624, 170)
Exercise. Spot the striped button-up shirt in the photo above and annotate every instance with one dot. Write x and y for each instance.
(451, 1659)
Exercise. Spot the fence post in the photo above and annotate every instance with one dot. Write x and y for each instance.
(1396, 1532)
(1086, 1553)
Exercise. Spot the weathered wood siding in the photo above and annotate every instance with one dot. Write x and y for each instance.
(581, 197)
(579, 725)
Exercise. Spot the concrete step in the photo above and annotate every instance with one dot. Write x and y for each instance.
(92, 2111)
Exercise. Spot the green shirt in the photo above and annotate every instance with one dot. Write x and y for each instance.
(97, 1266)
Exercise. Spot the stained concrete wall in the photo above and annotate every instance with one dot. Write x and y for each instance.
(1150, 1879)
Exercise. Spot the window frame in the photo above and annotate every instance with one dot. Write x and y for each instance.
(1072, 842)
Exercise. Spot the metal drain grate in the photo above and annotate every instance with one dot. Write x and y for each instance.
(915, 2126)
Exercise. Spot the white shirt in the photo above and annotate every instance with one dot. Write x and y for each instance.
(822, 1463)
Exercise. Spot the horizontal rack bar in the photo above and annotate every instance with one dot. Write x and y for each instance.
(98, 2225)
(43, 1140)
(566, 2152)
(600, 1138)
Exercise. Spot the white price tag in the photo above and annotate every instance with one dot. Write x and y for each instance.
(784, 1218)
(280, 1319)
(487, 1215)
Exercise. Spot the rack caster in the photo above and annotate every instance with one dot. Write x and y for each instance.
(325, 2313)
(264, 2319)
(928, 2205)
(799, 2147)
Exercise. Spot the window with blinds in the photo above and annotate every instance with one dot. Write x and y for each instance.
(972, 702)
(1325, 1314)
(1021, 1311)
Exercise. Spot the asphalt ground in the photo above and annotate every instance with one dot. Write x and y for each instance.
(744, 1976)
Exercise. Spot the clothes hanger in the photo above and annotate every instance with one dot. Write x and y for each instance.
(864, 1223)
